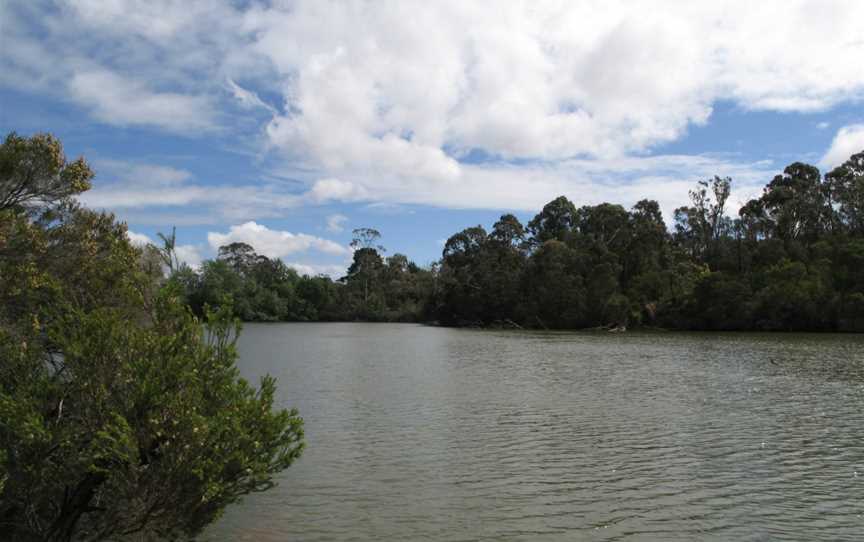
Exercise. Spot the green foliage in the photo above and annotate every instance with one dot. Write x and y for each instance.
(122, 416)
(134, 429)
(791, 261)
(262, 289)
(34, 172)
(845, 186)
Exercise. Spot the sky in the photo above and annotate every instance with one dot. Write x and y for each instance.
(288, 124)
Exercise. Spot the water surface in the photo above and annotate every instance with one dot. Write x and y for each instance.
(421, 433)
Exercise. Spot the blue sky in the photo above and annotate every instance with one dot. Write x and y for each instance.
(288, 124)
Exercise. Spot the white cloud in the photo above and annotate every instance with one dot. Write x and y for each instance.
(274, 243)
(114, 99)
(333, 271)
(190, 255)
(140, 174)
(848, 141)
(335, 223)
(122, 186)
(325, 190)
(390, 87)
(384, 102)
(823, 125)
(138, 239)
(524, 187)
(527, 187)
(562, 97)
(247, 98)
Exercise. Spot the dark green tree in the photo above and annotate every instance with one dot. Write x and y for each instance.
(846, 188)
(121, 417)
(557, 221)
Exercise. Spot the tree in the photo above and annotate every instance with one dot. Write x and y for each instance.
(557, 220)
(795, 204)
(698, 228)
(555, 288)
(366, 267)
(509, 232)
(647, 242)
(846, 187)
(120, 416)
(239, 256)
(460, 276)
(605, 225)
(127, 433)
(168, 251)
(34, 172)
(366, 238)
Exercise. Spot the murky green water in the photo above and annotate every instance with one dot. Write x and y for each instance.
(440, 434)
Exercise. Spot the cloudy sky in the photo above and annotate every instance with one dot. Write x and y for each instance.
(288, 124)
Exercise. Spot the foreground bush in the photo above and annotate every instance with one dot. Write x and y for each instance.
(121, 415)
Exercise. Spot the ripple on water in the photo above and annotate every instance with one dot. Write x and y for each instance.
(426, 433)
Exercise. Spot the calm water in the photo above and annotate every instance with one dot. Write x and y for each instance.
(425, 433)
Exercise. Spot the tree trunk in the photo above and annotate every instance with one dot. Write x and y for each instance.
(74, 506)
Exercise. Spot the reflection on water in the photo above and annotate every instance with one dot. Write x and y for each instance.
(441, 434)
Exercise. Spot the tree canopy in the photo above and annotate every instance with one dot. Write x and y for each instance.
(790, 260)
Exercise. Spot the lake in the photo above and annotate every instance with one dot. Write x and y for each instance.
(424, 433)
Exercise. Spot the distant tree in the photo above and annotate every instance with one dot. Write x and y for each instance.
(241, 257)
(508, 231)
(606, 226)
(555, 288)
(557, 221)
(698, 228)
(365, 270)
(168, 250)
(462, 247)
(795, 204)
(846, 188)
(366, 238)
(461, 276)
(648, 239)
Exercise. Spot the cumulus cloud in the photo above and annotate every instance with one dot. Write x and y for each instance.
(848, 141)
(335, 223)
(190, 255)
(540, 80)
(325, 190)
(391, 103)
(274, 243)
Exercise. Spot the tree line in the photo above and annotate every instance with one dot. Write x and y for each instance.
(262, 289)
(791, 259)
